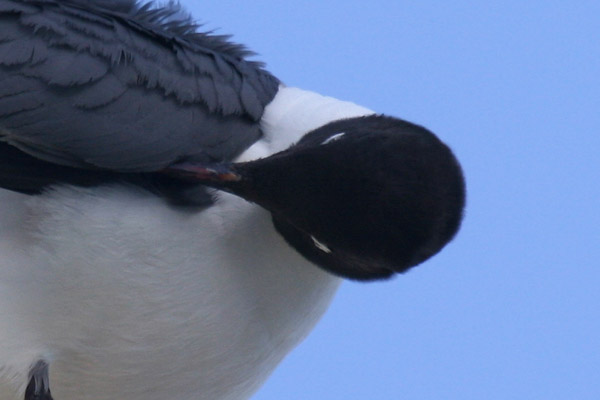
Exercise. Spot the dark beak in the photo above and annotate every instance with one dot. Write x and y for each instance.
(204, 173)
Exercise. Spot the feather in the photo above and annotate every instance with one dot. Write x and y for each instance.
(121, 86)
(66, 68)
(106, 90)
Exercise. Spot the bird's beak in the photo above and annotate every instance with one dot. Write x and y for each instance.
(203, 173)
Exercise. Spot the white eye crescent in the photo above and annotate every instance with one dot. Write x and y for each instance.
(319, 245)
(333, 138)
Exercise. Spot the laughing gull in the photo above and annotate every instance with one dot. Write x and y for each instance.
(173, 218)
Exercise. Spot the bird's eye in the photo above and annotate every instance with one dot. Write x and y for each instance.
(333, 138)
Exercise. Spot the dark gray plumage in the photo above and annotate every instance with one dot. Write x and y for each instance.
(118, 86)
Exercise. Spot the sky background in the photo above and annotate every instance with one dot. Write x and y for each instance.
(511, 308)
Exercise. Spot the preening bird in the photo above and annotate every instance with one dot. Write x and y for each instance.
(173, 218)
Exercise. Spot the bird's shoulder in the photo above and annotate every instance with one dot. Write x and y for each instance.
(122, 86)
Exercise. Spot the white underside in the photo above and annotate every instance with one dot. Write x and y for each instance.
(129, 298)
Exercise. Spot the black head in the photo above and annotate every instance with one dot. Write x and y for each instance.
(362, 198)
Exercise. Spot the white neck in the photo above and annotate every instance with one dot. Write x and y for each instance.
(295, 112)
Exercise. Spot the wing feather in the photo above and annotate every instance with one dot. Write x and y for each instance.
(105, 91)
(118, 86)
(10, 6)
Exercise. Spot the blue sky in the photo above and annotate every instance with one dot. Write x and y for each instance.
(509, 310)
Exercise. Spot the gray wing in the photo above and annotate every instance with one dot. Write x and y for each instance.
(117, 86)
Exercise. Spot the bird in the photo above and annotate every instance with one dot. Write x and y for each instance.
(174, 219)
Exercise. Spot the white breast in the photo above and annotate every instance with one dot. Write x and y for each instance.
(129, 298)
